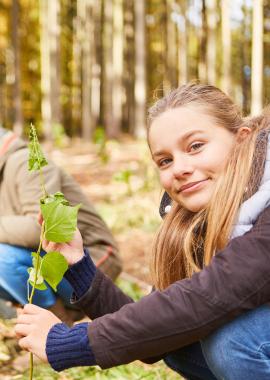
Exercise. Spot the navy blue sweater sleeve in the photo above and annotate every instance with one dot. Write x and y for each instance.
(69, 347)
(81, 275)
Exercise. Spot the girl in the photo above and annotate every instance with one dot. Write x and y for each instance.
(211, 257)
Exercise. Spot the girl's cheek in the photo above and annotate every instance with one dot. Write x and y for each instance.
(165, 180)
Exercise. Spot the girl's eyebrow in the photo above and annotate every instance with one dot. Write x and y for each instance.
(183, 138)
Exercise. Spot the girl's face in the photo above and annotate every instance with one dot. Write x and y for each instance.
(190, 151)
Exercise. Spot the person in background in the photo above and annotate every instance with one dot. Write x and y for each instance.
(20, 232)
(208, 316)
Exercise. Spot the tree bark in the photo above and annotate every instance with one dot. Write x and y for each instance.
(117, 100)
(203, 45)
(211, 41)
(85, 17)
(182, 44)
(108, 67)
(140, 72)
(257, 58)
(226, 47)
(17, 99)
(50, 70)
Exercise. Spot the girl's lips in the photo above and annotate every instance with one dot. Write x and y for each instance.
(192, 186)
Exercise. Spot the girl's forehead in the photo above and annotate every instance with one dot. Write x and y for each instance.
(180, 121)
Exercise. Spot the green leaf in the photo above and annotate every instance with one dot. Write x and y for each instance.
(36, 159)
(60, 220)
(54, 265)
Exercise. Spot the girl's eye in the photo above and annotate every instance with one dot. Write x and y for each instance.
(164, 162)
(195, 146)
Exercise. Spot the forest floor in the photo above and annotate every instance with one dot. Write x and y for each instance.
(121, 181)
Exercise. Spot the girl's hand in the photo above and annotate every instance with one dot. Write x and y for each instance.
(32, 328)
(72, 251)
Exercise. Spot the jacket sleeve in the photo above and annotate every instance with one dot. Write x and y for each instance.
(22, 227)
(236, 281)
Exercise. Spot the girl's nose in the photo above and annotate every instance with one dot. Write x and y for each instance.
(182, 167)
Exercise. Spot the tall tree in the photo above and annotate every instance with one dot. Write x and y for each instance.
(118, 55)
(85, 15)
(17, 94)
(96, 40)
(203, 44)
(140, 72)
(182, 26)
(211, 40)
(76, 70)
(108, 67)
(128, 72)
(50, 64)
(245, 55)
(171, 44)
(226, 47)
(257, 58)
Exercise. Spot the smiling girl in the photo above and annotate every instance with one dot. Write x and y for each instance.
(207, 316)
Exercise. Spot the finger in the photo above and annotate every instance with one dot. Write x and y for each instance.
(32, 309)
(40, 218)
(26, 318)
(49, 246)
(23, 329)
(24, 343)
(19, 311)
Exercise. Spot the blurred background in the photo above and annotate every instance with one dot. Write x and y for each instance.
(84, 73)
(74, 66)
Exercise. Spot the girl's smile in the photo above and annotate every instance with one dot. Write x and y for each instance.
(192, 186)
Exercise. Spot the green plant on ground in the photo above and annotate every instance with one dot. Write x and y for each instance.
(124, 176)
(59, 225)
(99, 139)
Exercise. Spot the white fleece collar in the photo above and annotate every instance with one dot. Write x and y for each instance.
(252, 207)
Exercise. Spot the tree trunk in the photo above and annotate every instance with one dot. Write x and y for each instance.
(96, 64)
(211, 41)
(117, 100)
(50, 70)
(128, 74)
(46, 107)
(257, 58)
(140, 72)
(171, 45)
(226, 47)
(108, 67)
(17, 101)
(54, 39)
(76, 72)
(203, 45)
(245, 63)
(182, 45)
(85, 16)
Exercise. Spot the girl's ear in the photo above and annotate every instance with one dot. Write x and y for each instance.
(242, 133)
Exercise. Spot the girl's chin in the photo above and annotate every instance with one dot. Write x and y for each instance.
(194, 205)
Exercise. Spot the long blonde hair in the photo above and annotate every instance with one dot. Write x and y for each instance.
(187, 241)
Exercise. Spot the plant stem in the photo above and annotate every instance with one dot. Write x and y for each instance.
(42, 183)
(33, 291)
(37, 263)
(31, 365)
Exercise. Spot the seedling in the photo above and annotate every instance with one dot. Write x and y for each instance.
(59, 225)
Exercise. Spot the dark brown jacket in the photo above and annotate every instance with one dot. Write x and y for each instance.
(237, 280)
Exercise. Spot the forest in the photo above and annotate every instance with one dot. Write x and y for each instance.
(75, 67)
(84, 73)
